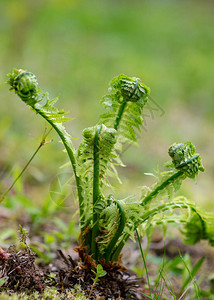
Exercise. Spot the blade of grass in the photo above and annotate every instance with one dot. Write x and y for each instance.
(147, 296)
(159, 280)
(144, 261)
(42, 143)
(191, 276)
(183, 294)
(170, 289)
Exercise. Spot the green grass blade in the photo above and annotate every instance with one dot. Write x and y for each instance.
(144, 261)
(191, 276)
(169, 286)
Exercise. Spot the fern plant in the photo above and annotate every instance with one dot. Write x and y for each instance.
(106, 223)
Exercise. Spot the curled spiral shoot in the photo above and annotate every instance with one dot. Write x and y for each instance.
(25, 85)
(94, 162)
(124, 104)
(130, 88)
(185, 159)
(185, 163)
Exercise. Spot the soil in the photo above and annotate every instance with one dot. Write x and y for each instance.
(23, 272)
(23, 275)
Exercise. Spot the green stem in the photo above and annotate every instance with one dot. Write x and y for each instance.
(119, 115)
(118, 233)
(144, 202)
(161, 208)
(161, 187)
(119, 248)
(123, 106)
(143, 218)
(70, 152)
(96, 192)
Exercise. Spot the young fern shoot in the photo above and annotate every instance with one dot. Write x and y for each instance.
(26, 86)
(107, 223)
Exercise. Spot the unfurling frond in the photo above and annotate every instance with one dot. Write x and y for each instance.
(25, 85)
(124, 105)
(199, 226)
(130, 88)
(185, 163)
(85, 156)
(106, 157)
(106, 223)
(106, 142)
(196, 223)
(184, 158)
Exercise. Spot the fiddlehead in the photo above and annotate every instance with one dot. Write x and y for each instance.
(25, 85)
(184, 158)
(185, 163)
(124, 105)
(103, 153)
(119, 231)
(95, 159)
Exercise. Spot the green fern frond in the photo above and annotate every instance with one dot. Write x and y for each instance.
(107, 155)
(26, 86)
(85, 164)
(169, 189)
(199, 226)
(108, 224)
(184, 158)
(185, 163)
(124, 106)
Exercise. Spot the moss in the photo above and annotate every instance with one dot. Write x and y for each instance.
(49, 293)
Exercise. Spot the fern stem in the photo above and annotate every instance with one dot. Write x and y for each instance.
(119, 248)
(118, 233)
(161, 208)
(144, 202)
(161, 187)
(70, 152)
(123, 106)
(149, 214)
(96, 191)
(119, 115)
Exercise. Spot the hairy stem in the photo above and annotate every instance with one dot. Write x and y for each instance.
(123, 106)
(96, 191)
(152, 213)
(118, 233)
(144, 202)
(119, 115)
(161, 187)
(70, 152)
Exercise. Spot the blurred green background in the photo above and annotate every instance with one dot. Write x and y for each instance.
(76, 47)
